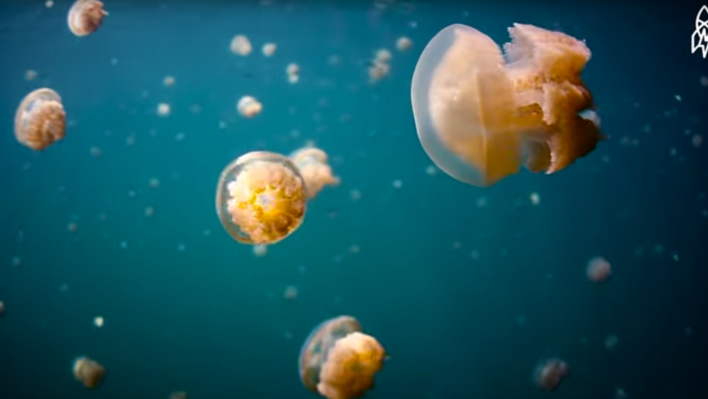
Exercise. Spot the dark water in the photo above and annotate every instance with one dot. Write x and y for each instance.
(465, 298)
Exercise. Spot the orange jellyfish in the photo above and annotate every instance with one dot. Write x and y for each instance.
(312, 164)
(85, 17)
(88, 372)
(480, 114)
(338, 361)
(249, 107)
(40, 119)
(548, 373)
(261, 198)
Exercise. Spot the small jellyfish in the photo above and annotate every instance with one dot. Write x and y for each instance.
(383, 55)
(598, 269)
(404, 44)
(290, 293)
(30, 75)
(88, 372)
(163, 109)
(548, 373)
(249, 107)
(40, 119)
(481, 114)
(293, 69)
(179, 395)
(312, 164)
(268, 49)
(338, 361)
(169, 81)
(85, 17)
(260, 250)
(240, 45)
(261, 198)
(378, 70)
(154, 183)
(98, 321)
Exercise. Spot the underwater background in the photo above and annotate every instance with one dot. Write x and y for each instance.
(467, 288)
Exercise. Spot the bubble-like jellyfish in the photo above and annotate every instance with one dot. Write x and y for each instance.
(85, 17)
(249, 107)
(480, 114)
(312, 164)
(89, 372)
(240, 45)
(548, 373)
(598, 269)
(338, 361)
(261, 198)
(40, 120)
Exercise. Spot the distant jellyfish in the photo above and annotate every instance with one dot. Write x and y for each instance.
(261, 198)
(98, 321)
(383, 55)
(72, 227)
(338, 361)
(154, 183)
(611, 341)
(403, 43)
(598, 269)
(312, 164)
(269, 49)
(163, 109)
(290, 293)
(2, 308)
(481, 114)
(249, 107)
(548, 373)
(30, 75)
(378, 70)
(292, 69)
(179, 395)
(240, 45)
(85, 17)
(40, 120)
(169, 81)
(88, 372)
(260, 250)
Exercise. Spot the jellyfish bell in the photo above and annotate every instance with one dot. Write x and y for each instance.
(338, 361)
(598, 270)
(85, 17)
(480, 114)
(313, 166)
(89, 372)
(261, 198)
(40, 119)
(549, 372)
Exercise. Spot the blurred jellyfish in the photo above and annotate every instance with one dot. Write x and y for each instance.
(249, 107)
(154, 183)
(481, 114)
(290, 293)
(16, 261)
(378, 70)
(169, 81)
(293, 71)
(403, 43)
(260, 250)
(535, 199)
(383, 55)
(149, 211)
(268, 49)
(2, 308)
(49, 3)
(240, 45)
(40, 120)
(611, 341)
(548, 373)
(88, 372)
(163, 109)
(85, 17)
(621, 393)
(338, 361)
(179, 395)
(30, 75)
(72, 227)
(598, 269)
(261, 198)
(98, 321)
(312, 164)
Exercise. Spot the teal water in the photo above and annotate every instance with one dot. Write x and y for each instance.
(467, 288)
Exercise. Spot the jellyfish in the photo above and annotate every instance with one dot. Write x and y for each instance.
(598, 270)
(268, 49)
(249, 107)
(40, 120)
(338, 361)
(403, 43)
(312, 164)
(2, 308)
(85, 17)
(88, 372)
(480, 114)
(548, 373)
(261, 198)
(179, 395)
(240, 45)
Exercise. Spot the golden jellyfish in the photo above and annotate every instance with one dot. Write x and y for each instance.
(261, 198)
(163, 109)
(85, 17)
(404, 44)
(40, 119)
(293, 69)
(249, 107)
(240, 45)
(268, 49)
(383, 55)
(313, 167)
(88, 372)
(338, 361)
(480, 114)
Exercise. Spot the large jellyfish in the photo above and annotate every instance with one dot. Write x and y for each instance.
(480, 114)
(40, 120)
(338, 361)
(261, 198)
(89, 372)
(313, 166)
(85, 17)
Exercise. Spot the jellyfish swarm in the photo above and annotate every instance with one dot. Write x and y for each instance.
(548, 373)
(312, 164)
(88, 372)
(85, 17)
(338, 361)
(261, 198)
(40, 119)
(480, 114)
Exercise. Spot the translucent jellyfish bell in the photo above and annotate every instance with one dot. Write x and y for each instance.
(338, 361)
(261, 198)
(480, 116)
(40, 119)
(548, 373)
(85, 17)
(313, 166)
